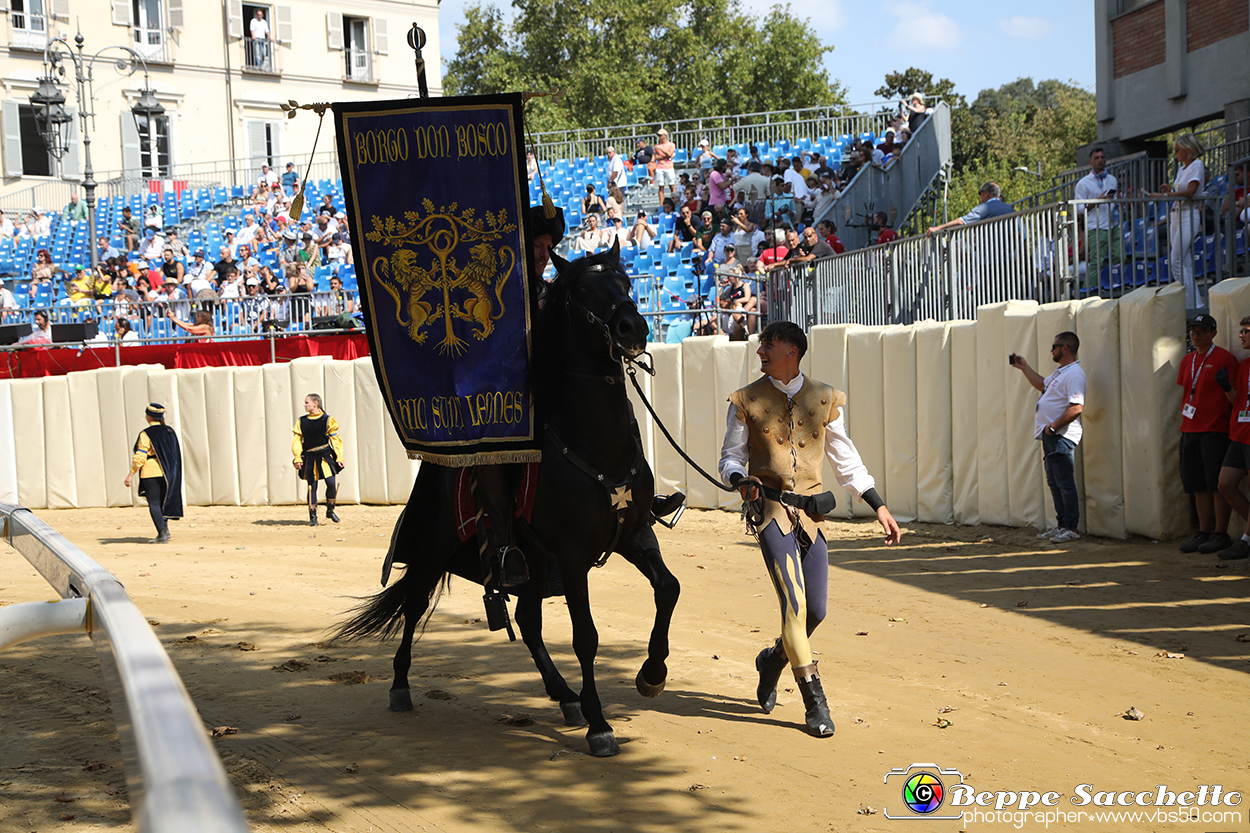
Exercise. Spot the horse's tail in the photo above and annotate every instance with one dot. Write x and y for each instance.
(382, 615)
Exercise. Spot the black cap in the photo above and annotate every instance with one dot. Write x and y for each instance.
(540, 224)
(1203, 322)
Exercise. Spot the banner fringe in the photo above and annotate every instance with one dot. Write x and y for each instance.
(481, 458)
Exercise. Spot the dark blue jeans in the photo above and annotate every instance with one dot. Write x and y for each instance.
(1058, 458)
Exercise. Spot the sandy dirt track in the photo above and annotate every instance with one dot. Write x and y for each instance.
(1033, 652)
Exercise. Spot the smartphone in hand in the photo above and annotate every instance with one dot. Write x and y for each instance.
(1011, 359)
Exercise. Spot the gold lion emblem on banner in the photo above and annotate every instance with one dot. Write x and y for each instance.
(440, 289)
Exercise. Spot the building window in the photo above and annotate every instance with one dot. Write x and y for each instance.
(149, 29)
(36, 161)
(30, 23)
(264, 143)
(356, 48)
(259, 39)
(154, 157)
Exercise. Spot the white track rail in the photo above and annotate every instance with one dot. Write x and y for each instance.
(176, 781)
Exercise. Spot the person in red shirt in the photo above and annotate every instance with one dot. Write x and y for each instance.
(1237, 460)
(828, 231)
(773, 256)
(881, 222)
(1204, 434)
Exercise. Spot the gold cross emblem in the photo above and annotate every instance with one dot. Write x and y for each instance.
(621, 497)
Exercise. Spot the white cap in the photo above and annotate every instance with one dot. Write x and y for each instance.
(253, 282)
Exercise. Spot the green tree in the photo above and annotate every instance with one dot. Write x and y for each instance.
(702, 57)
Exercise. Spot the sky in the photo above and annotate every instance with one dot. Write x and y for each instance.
(977, 44)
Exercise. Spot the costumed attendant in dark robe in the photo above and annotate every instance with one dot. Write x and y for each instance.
(318, 452)
(158, 460)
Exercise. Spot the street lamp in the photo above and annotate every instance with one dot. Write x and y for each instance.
(53, 121)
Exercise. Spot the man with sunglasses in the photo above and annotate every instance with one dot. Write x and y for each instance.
(1057, 424)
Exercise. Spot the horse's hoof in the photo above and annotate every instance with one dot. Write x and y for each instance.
(573, 713)
(401, 700)
(603, 744)
(647, 689)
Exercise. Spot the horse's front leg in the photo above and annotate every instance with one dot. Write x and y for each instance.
(586, 644)
(644, 553)
(529, 618)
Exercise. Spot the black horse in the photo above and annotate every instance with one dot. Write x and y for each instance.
(593, 497)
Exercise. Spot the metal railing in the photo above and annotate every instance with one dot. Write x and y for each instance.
(897, 187)
(745, 128)
(175, 780)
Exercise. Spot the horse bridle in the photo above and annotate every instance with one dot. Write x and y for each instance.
(601, 324)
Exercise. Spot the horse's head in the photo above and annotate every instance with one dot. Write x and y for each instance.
(594, 292)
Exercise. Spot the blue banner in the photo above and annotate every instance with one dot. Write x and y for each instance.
(436, 192)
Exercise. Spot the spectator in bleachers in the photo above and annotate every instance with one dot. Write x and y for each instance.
(685, 230)
(615, 202)
(7, 229)
(246, 258)
(322, 234)
(718, 187)
(275, 311)
(916, 112)
(336, 301)
(251, 305)
(691, 200)
(226, 259)
(754, 186)
(41, 273)
(341, 220)
(812, 247)
(289, 251)
(42, 223)
(8, 304)
(153, 245)
(991, 206)
(267, 179)
(106, 249)
(663, 154)
(900, 140)
(1235, 200)
(747, 235)
(310, 254)
(774, 257)
(736, 299)
(779, 207)
(42, 331)
(172, 241)
(124, 333)
(202, 325)
(881, 225)
(203, 278)
(199, 267)
(642, 232)
(249, 232)
(1185, 213)
(615, 231)
(1102, 238)
(290, 179)
(824, 194)
(74, 210)
(172, 271)
(716, 246)
(269, 282)
(233, 286)
(125, 299)
(154, 218)
(591, 236)
(592, 203)
(301, 286)
(643, 155)
(128, 225)
(531, 165)
(338, 253)
(705, 159)
(616, 170)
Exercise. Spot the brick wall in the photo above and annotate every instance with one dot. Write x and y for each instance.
(1137, 40)
(1209, 21)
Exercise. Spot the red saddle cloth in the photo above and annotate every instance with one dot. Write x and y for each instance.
(466, 522)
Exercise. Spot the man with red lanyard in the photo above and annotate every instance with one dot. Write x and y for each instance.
(1237, 460)
(1204, 434)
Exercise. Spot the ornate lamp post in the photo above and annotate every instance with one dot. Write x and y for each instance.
(53, 121)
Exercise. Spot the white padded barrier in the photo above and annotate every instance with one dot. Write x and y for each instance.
(282, 479)
(58, 428)
(193, 433)
(965, 422)
(669, 402)
(86, 421)
(1098, 327)
(1152, 342)
(114, 453)
(1229, 302)
(249, 442)
(865, 398)
(826, 345)
(898, 357)
(162, 388)
(994, 387)
(934, 456)
(340, 402)
(222, 440)
(8, 446)
(32, 479)
(704, 422)
(733, 361)
(373, 423)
